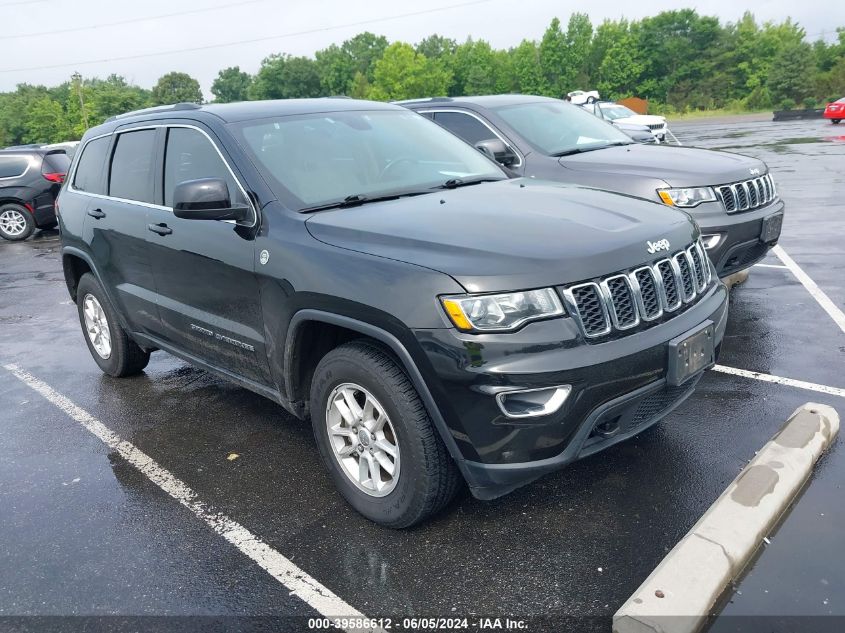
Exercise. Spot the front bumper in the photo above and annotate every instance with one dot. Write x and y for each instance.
(740, 245)
(620, 381)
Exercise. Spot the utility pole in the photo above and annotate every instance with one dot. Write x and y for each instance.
(77, 80)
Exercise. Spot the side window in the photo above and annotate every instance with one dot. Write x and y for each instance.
(89, 171)
(464, 126)
(189, 156)
(132, 166)
(13, 166)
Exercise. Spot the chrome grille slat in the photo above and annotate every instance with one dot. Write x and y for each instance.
(748, 194)
(623, 301)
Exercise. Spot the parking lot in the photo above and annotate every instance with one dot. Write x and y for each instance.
(92, 529)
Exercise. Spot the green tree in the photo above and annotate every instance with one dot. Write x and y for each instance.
(402, 73)
(286, 77)
(475, 69)
(176, 87)
(437, 47)
(231, 84)
(621, 69)
(525, 62)
(553, 61)
(338, 66)
(114, 96)
(788, 76)
(45, 122)
(579, 35)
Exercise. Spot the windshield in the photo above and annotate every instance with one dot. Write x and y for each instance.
(321, 159)
(555, 127)
(614, 112)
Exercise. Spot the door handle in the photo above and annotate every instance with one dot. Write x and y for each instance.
(96, 213)
(161, 229)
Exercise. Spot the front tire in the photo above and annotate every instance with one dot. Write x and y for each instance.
(835, 121)
(16, 223)
(376, 438)
(111, 348)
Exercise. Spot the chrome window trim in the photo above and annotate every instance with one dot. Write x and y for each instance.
(29, 161)
(611, 302)
(572, 307)
(484, 123)
(150, 205)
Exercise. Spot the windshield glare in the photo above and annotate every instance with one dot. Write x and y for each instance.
(555, 127)
(318, 159)
(614, 112)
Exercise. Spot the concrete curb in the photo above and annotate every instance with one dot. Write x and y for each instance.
(679, 593)
(737, 278)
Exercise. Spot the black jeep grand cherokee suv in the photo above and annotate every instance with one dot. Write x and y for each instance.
(360, 265)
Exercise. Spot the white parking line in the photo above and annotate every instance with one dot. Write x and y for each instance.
(286, 572)
(779, 380)
(818, 294)
(772, 266)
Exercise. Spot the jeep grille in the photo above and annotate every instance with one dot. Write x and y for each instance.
(628, 299)
(748, 194)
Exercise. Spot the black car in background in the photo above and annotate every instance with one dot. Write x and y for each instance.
(340, 258)
(30, 180)
(732, 197)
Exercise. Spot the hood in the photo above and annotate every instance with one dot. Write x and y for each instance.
(644, 119)
(509, 235)
(677, 166)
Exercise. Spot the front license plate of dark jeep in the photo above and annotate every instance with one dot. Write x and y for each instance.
(771, 227)
(691, 353)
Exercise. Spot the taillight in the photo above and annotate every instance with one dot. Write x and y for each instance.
(55, 177)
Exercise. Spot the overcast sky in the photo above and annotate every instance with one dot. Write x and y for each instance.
(79, 31)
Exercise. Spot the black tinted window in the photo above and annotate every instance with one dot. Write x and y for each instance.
(189, 156)
(55, 163)
(89, 172)
(464, 126)
(132, 165)
(11, 166)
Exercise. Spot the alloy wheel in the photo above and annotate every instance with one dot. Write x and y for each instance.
(12, 222)
(363, 439)
(97, 326)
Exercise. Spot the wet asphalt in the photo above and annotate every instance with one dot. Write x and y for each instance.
(82, 533)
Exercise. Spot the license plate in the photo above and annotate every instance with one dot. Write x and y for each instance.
(691, 353)
(771, 227)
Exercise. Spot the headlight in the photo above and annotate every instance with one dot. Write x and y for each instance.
(687, 197)
(505, 311)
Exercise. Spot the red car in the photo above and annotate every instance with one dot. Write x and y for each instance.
(835, 111)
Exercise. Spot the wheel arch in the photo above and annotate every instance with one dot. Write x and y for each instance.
(353, 329)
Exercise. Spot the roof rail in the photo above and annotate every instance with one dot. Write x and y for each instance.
(163, 108)
(338, 97)
(423, 100)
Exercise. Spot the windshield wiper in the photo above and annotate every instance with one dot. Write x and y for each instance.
(357, 200)
(590, 148)
(454, 183)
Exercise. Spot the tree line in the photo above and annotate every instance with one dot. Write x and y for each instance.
(678, 60)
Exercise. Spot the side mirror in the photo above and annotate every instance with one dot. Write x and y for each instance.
(206, 199)
(498, 150)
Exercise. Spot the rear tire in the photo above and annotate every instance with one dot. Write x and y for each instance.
(835, 121)
(426, 477)
(111, 348)
(16, 222)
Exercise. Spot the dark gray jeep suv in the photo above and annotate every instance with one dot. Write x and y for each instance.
(363, 267)
(732, 197)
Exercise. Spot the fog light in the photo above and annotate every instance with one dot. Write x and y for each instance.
(711, 241)
(531, 403)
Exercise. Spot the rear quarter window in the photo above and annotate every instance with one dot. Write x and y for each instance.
(131, 176)
(13, 166)
(89, 172)
(57, 163)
